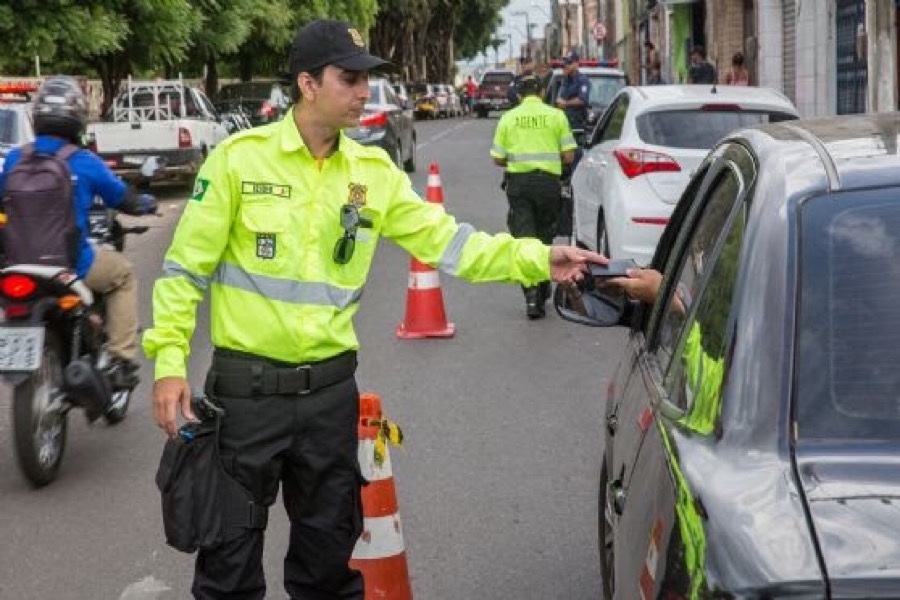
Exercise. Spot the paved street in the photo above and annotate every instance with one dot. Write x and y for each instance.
(497, 480)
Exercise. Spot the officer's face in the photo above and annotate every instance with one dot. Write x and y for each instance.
(340, 98)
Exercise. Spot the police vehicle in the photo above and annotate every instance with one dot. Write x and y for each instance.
(605, 77)
(15, 115)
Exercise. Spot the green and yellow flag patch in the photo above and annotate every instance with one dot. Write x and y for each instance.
(200, 187)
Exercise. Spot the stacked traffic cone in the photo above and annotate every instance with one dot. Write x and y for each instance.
(425, 315)
(380, 554)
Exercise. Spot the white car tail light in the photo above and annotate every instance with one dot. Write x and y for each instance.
(636, 162)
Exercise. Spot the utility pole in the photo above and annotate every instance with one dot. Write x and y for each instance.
(524, 13)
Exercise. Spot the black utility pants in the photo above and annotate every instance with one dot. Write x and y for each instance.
(308, 444)
(533, 210)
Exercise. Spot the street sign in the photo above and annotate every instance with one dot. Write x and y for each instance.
(599, 31)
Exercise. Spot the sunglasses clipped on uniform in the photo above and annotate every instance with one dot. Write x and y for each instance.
(351, 220)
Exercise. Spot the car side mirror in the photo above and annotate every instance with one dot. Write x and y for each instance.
(588, 304)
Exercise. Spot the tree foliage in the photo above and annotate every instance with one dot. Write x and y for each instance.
(112, 39)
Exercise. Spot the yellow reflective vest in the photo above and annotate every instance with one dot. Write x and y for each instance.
(259, 232)
(531, 137)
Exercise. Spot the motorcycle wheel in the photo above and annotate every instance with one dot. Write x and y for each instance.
(40, 418)
(119, 406)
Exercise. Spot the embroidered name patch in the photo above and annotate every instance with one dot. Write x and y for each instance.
(253, 188)
(265, 245)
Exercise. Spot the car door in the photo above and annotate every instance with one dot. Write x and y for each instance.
(683, 367)
(590, 176)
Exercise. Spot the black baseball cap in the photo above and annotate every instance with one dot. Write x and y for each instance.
(326, 42)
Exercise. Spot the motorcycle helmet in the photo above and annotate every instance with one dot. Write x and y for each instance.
(60, 108)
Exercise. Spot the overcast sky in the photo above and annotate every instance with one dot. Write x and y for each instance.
(514, 25)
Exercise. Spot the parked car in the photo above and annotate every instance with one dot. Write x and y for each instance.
(385, 123)
(606, 81)
(447, 100)
(493, 91)
(752, 427)
(16, 126)
(403, 94)
(643, 151)
(263, 101)
(424, 97)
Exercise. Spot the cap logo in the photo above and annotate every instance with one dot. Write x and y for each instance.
(357, 39)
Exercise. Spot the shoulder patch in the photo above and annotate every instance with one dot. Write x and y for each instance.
(200, 187)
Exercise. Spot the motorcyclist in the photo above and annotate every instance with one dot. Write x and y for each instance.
(60, 117)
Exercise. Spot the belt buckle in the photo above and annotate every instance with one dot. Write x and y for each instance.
(308, 370)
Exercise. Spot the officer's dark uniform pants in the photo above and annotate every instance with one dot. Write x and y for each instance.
(307, 443)
(533, 209)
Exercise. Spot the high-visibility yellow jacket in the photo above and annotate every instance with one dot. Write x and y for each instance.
(531, 137)
(259, 231)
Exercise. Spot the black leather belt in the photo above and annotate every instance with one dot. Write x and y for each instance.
(238, 374)
(535, 173)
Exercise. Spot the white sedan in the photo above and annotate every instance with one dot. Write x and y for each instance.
(644, 150)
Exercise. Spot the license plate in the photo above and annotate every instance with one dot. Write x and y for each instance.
(21, 348)
(133, 160)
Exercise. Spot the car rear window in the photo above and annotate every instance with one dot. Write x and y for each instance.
(848, 343)
(245, 90)
(8, 133)
(418, 88)
(699, 129)
(497, 78)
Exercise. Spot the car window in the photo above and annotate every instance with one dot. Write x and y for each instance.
(612, 128)
(8, 127)
(207, 105)
(502, 79)
(698, 129)
(375, 95)
(848, 335)
(694, 332)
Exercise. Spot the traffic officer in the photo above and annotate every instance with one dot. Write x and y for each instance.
(281, 228)
(574, 94)
(532, 142)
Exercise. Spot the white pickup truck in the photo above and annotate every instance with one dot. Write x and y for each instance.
(164, 118)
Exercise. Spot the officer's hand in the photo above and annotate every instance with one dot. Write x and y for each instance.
(568, 264)
(167, 393)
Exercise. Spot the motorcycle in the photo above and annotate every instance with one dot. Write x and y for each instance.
(52, 349)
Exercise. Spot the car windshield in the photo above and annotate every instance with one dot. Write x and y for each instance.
(699, 129)
(848, 339)
(8, 128)
(375, 94)
(603, 89)
(418, 88)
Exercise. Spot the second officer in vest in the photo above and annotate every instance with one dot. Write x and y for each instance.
(532, 142)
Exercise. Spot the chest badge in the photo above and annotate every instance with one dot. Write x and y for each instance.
(357, 194)
(265, 246)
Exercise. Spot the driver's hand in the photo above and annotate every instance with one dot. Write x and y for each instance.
(169, 392)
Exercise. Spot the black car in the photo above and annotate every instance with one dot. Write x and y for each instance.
(387, 122)
(263, 101)
(753, 425)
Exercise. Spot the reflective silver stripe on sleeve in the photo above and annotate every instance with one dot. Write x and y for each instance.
(449, 262)
(286, 290)
(568, 140)
(518, 158)
(498, 150)
(173, 269)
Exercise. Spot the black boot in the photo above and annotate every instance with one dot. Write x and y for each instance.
(534, 304)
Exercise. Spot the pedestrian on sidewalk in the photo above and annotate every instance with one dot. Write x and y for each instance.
(738, 73)
(701, 70)
(273, 231)
(532, 142)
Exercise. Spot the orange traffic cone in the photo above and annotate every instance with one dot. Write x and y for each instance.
(380, 554)
(425, 315)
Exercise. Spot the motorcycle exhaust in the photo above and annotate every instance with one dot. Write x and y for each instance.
(86, 387)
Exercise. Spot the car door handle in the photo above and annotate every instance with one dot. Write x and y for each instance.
(612, 424)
